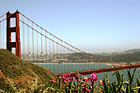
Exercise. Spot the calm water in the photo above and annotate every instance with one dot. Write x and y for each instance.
(63, 68)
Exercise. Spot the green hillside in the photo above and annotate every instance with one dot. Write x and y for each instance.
(20, 71)
(132, 51)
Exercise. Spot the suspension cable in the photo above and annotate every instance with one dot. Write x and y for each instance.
(52, 39)
(3, 15)
(62, 40)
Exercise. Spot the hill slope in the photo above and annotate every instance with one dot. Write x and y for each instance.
(132, 51)
(20, 71)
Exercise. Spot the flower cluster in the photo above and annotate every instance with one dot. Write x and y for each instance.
(66, 78)
(93, 78)
(79, 82)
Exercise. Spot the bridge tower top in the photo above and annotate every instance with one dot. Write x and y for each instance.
(15, 29)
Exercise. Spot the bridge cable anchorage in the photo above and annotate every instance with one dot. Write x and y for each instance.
(61, 39)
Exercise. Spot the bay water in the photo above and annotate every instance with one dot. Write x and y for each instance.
(65, 68)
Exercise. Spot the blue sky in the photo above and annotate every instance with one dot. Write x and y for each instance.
(91, 25)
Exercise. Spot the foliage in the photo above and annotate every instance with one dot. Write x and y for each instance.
(81, 84)
(121, 86)
(17, 70)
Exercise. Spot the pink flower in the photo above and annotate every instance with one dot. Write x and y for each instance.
(94, 77)
(74, 79)
(44, 91)
(68, 75)
(80, 75)
(59, 76)
(63, 83)
(64, 79)
(89, 79)
(69, 79)
(54, 81)
(88, 90)
(101, 82)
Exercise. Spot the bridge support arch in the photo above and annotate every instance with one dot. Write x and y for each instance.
(16, 29)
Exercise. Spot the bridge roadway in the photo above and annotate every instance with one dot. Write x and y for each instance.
(102, 70)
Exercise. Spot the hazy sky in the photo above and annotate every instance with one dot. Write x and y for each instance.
(91, 25)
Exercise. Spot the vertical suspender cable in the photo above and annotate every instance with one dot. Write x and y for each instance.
(54, 55)
(62, 54)
(2, 37)
(64, 57)
(89, 63)
(58, 56)
(50, 58)
(28, 43)
(23, 41)
(46, 47)
(41, 47)
(33, 42)
(37, 47)
(68, 59)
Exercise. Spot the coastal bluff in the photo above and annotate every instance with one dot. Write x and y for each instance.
(20, 72)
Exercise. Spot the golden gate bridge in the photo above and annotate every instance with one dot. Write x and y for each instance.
(31, 42)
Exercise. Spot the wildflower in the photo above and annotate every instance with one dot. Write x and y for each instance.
(94, 77)
(69, 79)
(74, 79)
(59, 76)
(64, 79)
(68, 75)
(89, 79)
(54, 81)
(44, 91)
(101, 82)
(88, 90)
(80, 75)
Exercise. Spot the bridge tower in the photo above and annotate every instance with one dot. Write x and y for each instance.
(16, 29)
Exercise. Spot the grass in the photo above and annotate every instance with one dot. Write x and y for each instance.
(20, 71)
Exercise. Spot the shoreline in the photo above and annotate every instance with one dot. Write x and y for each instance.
(88, 63)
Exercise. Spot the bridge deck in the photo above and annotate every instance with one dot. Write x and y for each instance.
(109, 69)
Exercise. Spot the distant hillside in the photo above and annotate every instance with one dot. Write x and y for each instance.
(20, 71)
(132, 50)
